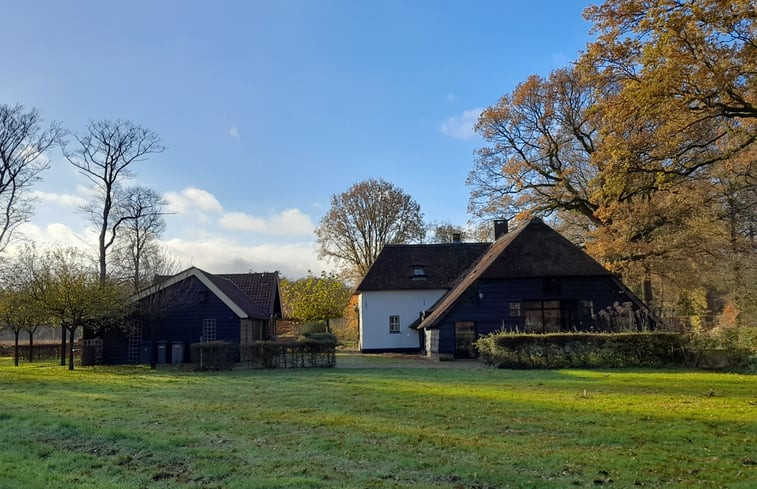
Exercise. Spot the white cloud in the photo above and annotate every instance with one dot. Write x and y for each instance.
(220, 255)
(289, 221)
(192, 199)
(461, 126)
(234, 132)
(52, 235)
(65, 200)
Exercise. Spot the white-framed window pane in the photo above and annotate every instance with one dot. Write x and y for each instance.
(394, 324)
(208, 330)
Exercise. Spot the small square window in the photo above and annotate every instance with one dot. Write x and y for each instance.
(515, 309)
(394, 324)
(586, 308)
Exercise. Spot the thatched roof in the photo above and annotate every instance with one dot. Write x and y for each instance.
(442, 265)
(533, 250)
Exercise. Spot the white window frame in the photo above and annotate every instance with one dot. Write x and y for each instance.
(209, 327)
(394, 324)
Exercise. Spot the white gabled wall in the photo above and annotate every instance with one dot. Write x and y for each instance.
(375, 307)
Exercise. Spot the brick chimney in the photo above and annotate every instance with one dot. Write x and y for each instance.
(500, 228)
(456, 238)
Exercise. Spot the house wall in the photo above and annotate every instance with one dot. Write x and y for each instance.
(491, 311)
(375, 307)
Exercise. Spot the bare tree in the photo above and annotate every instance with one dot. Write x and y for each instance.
(22, 146)
(360, 221)
(105, 154)
(137, 248)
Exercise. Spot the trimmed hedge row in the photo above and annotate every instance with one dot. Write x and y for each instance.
(313, 350)
(42, 351)
(563, 350)
(214, 355)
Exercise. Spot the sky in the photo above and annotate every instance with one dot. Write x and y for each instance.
(267, 109)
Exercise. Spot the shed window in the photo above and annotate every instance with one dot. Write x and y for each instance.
(515, 309)
(394, 324)
(208, 330)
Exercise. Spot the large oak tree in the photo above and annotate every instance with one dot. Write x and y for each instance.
(361, 220)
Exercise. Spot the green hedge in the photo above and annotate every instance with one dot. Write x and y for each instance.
(42, 351)
(313, 352)
(214, 355)
(562, 350)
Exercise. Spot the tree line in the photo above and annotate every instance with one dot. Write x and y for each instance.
(63, 286)
(642, 151)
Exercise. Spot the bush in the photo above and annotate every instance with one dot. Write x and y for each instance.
(318, 337)
(307, 352)
(310, 328)
(563, 350)
(720, 347)
(214, 355)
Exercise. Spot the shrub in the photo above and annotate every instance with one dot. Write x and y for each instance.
(307, 352)
(312, 327)
(720, 347)
(318, 337)
(214, 355)
(562, 350)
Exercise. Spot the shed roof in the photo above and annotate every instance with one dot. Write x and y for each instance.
(262, 288)
(241, 300)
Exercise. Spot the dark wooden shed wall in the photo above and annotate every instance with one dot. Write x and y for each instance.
(183, 322)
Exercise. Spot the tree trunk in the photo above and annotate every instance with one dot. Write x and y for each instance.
(62, 346)
(71, 332)
(328, 326)
(154, 349)
(31, 346)
(15, 350)
(647, 291)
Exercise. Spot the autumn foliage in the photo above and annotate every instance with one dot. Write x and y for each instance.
(643, 149)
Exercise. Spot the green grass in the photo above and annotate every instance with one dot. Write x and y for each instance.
(374, 427)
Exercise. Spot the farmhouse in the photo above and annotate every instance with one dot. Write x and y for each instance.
(530, 280)
(191, 307)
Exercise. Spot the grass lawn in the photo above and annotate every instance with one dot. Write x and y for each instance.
(374, 427)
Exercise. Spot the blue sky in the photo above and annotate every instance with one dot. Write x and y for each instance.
(269, 108)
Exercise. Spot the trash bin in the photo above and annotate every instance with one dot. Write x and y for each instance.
(146, 353)
(177, 352)
(162, 351)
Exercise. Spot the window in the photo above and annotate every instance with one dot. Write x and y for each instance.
(515, 309)
(542, 316)
(208, 330)
(418, 272)
(394, 324)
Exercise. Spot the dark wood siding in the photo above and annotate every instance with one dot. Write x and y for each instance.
(487, 303)
(181, 321)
